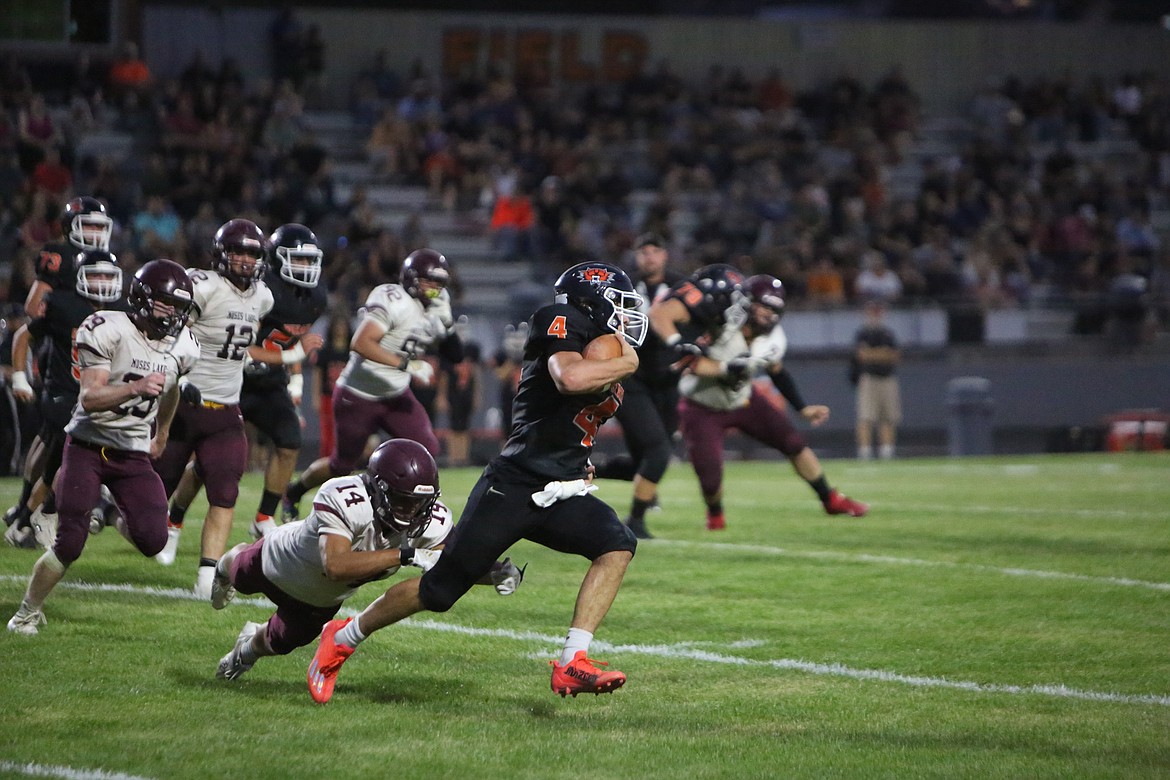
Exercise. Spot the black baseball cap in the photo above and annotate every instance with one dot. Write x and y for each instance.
(650, 239)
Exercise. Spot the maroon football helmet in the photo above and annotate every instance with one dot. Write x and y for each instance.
(403, 481)
(85, 223)
(424, 264)
(160, 299)
(767, 291)
(239, 236)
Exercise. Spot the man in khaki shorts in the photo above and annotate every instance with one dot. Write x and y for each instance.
(878, 399)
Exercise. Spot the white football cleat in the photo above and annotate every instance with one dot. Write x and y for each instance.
(231, 666)
(204, 577)
(171, 548)
(44, 528)
(25, 621)
(262, 528)
(222, 590)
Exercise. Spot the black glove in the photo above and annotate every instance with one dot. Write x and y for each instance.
(189, 394)
(685, 349)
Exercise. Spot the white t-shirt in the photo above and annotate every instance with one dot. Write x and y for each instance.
(342, 506)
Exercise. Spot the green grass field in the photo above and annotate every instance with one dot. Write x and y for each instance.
(1000, 617)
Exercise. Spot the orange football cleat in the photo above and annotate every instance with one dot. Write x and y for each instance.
(581, 676)
(327, 662)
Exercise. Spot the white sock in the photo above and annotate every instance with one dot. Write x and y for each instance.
(351, 635)
(203, 577)
(864, 453)
(577, 640)
(886, 451)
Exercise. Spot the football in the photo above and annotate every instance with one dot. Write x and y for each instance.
(604, 347)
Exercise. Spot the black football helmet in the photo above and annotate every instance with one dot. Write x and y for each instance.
(239, 236)
(298, 255)
(85, 223)
(606, 294)
(160, 299)
(767, 291)
(424, 264)
(724, 302)
(403, 482)
(99, 278)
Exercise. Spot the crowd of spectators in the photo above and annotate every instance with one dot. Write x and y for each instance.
(1023, 203)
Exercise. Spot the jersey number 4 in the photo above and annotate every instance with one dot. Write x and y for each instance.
(558, 327)
(590, 419)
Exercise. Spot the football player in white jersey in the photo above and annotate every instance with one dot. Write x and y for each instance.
(130, 368)
(718, 394)
(362, 528)
(229, 304)
(373, 393)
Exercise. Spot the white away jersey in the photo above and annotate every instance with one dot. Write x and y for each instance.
(409, 327)
(225, 320)
(109, 340)
(722, 393)
(292, 553)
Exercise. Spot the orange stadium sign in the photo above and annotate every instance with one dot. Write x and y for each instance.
(540, 55)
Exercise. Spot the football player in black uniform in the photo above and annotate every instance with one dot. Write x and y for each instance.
(84, 225)
(273, 383)
(97, 284)
(649, 412)
(538, 487)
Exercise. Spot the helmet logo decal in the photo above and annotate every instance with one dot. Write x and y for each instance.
(595, 275)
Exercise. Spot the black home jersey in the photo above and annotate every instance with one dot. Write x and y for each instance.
(55, 265)
(654, 357)
(65, 310)
(552, 434)
(294, 311)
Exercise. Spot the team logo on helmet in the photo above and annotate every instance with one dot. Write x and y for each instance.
(596, 275)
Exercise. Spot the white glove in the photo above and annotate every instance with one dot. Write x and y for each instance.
(422, 559)
(514, 340)
(421, 370)
(296, 387)
(20, 384)
(506, 577)
(440, 309)
(559, 491)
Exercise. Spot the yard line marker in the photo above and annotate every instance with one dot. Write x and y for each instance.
(889, 559)
(684, 650)
(68, 772)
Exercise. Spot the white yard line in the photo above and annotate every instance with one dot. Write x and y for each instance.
(67, 772)
(684, 650)
(895, 561)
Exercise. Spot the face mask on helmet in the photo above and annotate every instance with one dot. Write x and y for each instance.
(300, 265)
(627, 320)
(401, 512)
(99, 279)
(91, 231)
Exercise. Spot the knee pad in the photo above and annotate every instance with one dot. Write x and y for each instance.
(654, 461)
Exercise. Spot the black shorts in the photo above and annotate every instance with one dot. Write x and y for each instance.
(273, 412)
(56, 411)
(498, 514)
